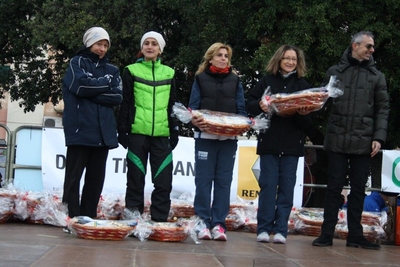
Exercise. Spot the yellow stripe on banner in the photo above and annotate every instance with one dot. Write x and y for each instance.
(247, 183)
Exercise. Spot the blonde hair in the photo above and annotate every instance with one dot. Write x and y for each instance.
(211, 52)
(273, 65)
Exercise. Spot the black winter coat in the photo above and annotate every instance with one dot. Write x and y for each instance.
(91, 89)
(285, 135)
(360, 115)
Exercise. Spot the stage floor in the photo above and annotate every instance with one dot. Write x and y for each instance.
(24, 244)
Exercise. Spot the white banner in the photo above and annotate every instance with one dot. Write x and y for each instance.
(244, 184)
(391, 171)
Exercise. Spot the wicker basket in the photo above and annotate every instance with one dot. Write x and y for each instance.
(233, 208)
(251, 226)
(287, 105)
(223, 123)
(233, 224)
(104, 232)
(32, 221)
(182, 210)
(370, 236)
(167, 232)
(310, 230)
(7, 194)
(227, 130)
(6, 216)
(371, 218)
(7, 205)
(311, 216)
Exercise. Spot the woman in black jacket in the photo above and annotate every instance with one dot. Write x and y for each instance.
(281, 145)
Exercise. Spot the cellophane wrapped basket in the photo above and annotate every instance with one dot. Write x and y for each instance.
(223, 123)
(371, 233)
(167, 232)
(313, 99)
(7, 202)
(87, 228)
(288, 104)
(310, 216)
(182, 210)
(182, 207)
(25, 204)
(234, 223)
(251, 225)
(307, 229)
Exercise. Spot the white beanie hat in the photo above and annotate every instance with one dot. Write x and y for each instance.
(160, 40)
(94, 35)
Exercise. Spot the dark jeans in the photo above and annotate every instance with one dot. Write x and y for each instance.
(275, 201)
(214, 162)
(93, 161)
(357, 166)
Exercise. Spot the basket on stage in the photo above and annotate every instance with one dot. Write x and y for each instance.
(310, 216)
(87, 228)
(5, 216)
(179, 209)
(167, 232)
(7, 203)
(371, 233)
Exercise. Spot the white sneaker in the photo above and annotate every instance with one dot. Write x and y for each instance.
(204, 234)
(279, 239)
(263, 237)
(218, 233)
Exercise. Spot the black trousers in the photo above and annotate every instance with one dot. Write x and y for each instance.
(357, 167)
(93, 161)
(159, 150)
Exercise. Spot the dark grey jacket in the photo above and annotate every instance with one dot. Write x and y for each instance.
(360, 115)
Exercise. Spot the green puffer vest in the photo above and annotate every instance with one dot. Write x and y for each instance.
(151, 90)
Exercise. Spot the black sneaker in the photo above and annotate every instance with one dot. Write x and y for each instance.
(66, 230)
(323, 241)
(364, 243)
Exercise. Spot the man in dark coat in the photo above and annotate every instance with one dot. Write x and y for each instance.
(356, 130)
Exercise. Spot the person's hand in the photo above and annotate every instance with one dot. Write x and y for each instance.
(376, 146)
(108, 77)
(200, 123)
(173, 139)
(264, 105)
(123, 139)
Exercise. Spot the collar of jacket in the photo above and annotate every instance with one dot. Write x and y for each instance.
(285, 76)
(218, 75)
(347, 60)
(85, 51)
(149, 62)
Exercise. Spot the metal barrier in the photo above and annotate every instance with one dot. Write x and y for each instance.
(23, 157)
(6, 148)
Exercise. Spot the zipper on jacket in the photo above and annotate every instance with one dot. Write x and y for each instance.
(154, 100)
